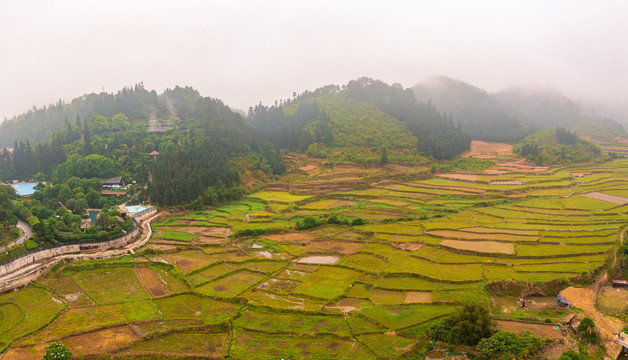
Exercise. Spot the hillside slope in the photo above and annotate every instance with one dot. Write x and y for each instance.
(512, 114)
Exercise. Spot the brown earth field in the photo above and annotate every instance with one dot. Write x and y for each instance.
(291, 237)
(202, 230)
(541, 330)
(343, 247)
(151, 282)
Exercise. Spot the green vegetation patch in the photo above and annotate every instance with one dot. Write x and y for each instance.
(387, 346)
(230, 285)
(364, 262)
(179, 344)
(169, 234)
(257, 345)
(111, 285)
(279, 197)
(402, 316)
(387, 297)
(295, 323)
(184, 306)
(212, 272)
(327, 282)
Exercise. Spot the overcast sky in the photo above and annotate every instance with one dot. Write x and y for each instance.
(243, 52)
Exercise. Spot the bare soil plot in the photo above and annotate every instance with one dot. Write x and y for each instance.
(541, 330)
(606, 197)
(189, 260)
(480, 246)
(212, 231)
(343, 247)
(69, 290)
(297, 237)
(418, 297)
(461, 177)
(161, 247)
(309, 167)
(151, 282)
(279, 285)
(407, 246)
(319, 260)
(205, 240)
(488, 150)
(506, 182)
(100, 342)
(461, 235)
(25, 353)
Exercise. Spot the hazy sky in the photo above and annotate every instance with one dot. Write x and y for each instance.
(243, 52)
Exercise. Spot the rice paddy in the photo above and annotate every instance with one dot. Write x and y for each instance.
(242, 281)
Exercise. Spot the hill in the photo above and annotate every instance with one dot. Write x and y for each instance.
(556, 146)
(512, 114)
(357, 122)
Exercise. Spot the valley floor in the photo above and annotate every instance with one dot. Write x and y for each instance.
(353, 263)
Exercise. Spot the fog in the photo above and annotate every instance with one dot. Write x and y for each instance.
(244, 52)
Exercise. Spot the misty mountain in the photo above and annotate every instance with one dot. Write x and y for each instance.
(511, 114)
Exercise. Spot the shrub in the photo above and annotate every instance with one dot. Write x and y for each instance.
(467, 327)
(56, 351)
(508, 345)
(587, 331)
(570, 355)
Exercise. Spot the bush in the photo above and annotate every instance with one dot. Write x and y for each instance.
(508, 345)
(587, 331)
(56, 351)
(308, 222)
(570, 355)
(467, 327)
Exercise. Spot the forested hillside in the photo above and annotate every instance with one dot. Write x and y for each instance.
(358, 122)
(510, 115)
(556, 146)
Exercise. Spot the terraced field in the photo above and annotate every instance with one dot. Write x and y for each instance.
(241, 280)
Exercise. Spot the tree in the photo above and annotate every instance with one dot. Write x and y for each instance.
(383, 160)
(467, 327)
(587, 330)
(77, 206)
(56, 351)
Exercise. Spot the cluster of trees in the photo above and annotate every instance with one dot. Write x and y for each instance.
(474, 326)
(556, 146)
(564, 136)
(307, 125)
(437, 135)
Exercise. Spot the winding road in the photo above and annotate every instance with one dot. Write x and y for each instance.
(26, 231)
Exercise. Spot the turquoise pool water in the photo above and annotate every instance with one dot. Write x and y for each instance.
(93, 215)
(25, 188)
(135, 208)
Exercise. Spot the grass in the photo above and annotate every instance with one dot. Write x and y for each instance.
(111, 285)
(294, 323)
(387, 346)
(257, 345)
(179, 344)
(37, 307)
(279, 197)
(553, 250)
(230, 285)
(178, 307)
(387, 297)
(402, 316)
(169, 234)
(415, 283)
(364, 262)
(327, 282)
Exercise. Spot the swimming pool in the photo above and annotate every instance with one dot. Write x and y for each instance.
(135, 208)
(25, 189)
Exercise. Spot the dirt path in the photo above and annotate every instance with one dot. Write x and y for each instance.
(585, 299)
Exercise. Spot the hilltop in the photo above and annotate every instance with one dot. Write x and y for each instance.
(557, 146)
(512, 114)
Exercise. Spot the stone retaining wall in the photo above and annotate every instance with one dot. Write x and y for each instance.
(71, 251)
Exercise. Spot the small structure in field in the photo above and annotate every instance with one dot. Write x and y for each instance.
(153, 155)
